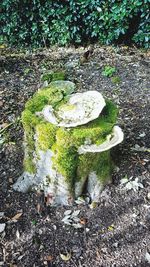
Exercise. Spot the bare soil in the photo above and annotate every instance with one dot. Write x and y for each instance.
(116, 232)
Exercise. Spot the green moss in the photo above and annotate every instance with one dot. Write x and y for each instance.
(50, 95)
(53, 76)
(66, 162)
(29, 119)
(68, 140)
(98, 162)
(85, 163)
(46, 133)
(32, 123)
(98, 129)
(42, 98)
(29, 166)
(65, 142)
(110, 112)
(65, 155)
(59, 76)
(36, 103)
(103, 166)
(66, 87)
(116, 80)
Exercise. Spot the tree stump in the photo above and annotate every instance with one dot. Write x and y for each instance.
(67, 141)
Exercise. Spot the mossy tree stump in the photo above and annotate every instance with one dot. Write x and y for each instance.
(67, 143)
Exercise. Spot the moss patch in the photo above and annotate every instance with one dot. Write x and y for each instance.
(29, 166)
(101, 163)
(53, 76)
(116, 80)
(73, 166)
(51, 95)
(46, 135)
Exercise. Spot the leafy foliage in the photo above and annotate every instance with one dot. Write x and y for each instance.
(43, 22)
(108, 71)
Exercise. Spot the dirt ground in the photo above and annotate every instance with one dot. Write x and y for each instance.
(116, 232)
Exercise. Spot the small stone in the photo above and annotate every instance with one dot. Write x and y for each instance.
(40, 232)
(45, 83)
(72, 64)
(10, 180)
(1, 214)
(148, 216)
(104, 250)
(2, 227)
(54, 227)
(115, 245)
(148, 196)
(147, 257)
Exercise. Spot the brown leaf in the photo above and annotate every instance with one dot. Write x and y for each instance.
(16, 217)
(38, 207)
(66, 257)
(83, 221)
(49, 258)
(48, 199)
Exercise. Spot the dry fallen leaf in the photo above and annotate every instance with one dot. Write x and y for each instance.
(77, 225)
(66, 257)
(17, 234)
(83, 221)
(75, 213)
(147, 257)
(111, 227)
(49, 258)
(38, 207)
(93, 205)
(16, 217)
(67, 212)
(48, 199)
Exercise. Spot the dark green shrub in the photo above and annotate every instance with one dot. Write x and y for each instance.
(44, 22)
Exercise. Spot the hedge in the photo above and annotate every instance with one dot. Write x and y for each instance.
(39, 23)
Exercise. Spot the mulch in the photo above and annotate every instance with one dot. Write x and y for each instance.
(116, 231)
